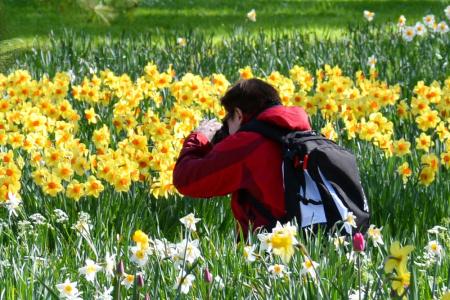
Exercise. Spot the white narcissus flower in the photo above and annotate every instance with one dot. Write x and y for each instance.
(249, 253)
(420, 29)
(401, 21)
(265, 239)
(278, 270)
(309, 267)
(283, 240)
(434, 250)
(127, 281)
(189, 221)
(372, 61)
(429, 20)
(442, 27)
(139, 256)
(251, 15)
(188, 250)
(369, 15)
(106, 295)
(340, 241)
(219, 281)
(408, 33)
(61, 216)
(436, 229)
(13, 203)
(374, 234)
(447, 12)
(184, 282)
(356, 295)
(181, 42)
(349, 222)
(110, 263)
(90, 270)
(68, 290)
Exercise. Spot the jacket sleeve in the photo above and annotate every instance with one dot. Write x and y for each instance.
(204, 171)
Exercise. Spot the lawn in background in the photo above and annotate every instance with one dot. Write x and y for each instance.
(30, 19)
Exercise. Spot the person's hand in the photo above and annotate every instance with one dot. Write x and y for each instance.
(208, 128)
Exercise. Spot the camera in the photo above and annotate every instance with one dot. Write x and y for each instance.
(222, 133)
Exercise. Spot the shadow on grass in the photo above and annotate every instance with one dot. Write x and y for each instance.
(219, 17)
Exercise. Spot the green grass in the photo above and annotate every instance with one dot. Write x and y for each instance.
(28, 21)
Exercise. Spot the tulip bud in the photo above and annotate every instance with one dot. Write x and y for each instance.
(207, 276)
(147, 297)
(120, 269)
(359, 244)
(140, 280)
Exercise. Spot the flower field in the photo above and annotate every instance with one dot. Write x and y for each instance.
(90, 133)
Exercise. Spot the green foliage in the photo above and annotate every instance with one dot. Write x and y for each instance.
(39, 17)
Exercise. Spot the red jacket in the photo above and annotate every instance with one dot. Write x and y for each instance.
(244, 160)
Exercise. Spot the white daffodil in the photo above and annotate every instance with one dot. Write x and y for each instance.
(429, 20)
(251, 15)
(434, 250)
(447, 12)
(437, 229)
(278, 270)
(349, 222)
(110, 262)
(89, 270)
(68, 290)
(188, 250)
(369, 15)
(340, 241)
(189, 221)
(249, 253)
(13, 203)
(442, 27)
(356, 295)
(408, 33)
(160, 248)
(374, 234)
(83, 225)
(372, 61)
(181, 42)
(139, 256)
(127, 281)
(265, 239)
(309, 267)
(37, 219)
(61, 216)
(219, 281)
(401, 21)
(420, 29)
(352, 256)
(184, 282)
(283, 240)
(106, 295)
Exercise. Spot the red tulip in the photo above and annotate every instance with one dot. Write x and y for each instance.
(359, 244)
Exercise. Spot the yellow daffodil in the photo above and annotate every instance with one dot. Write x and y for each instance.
(398, 257)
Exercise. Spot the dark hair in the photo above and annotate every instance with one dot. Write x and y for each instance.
(250, 95)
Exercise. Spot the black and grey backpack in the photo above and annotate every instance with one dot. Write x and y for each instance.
(321, 179)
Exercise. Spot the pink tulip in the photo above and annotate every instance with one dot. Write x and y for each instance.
(359, 244)
(207, 275)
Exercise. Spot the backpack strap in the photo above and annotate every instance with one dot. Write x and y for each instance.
(265, 129)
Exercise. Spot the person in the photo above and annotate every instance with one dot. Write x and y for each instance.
(242, 163)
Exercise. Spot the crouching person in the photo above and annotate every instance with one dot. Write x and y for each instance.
(218, 159)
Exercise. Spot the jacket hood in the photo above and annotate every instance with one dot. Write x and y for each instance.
(289, 117)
